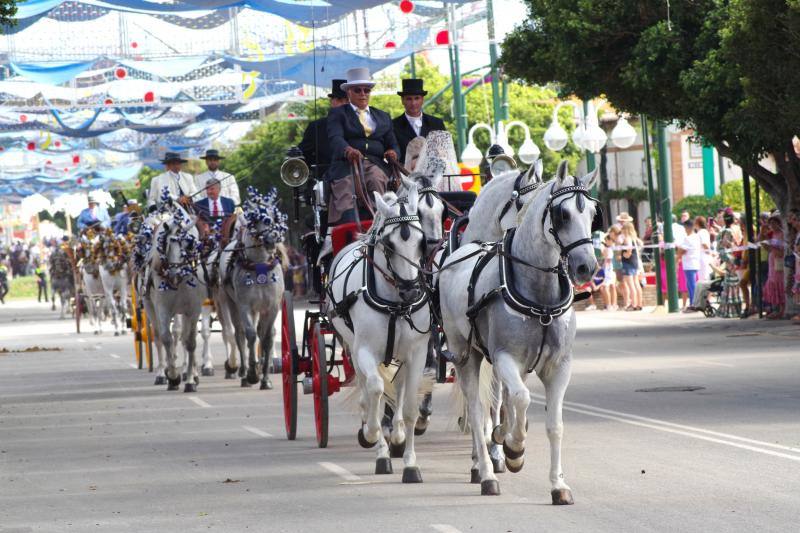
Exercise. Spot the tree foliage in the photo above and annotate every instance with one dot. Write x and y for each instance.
(727, 68)
(698, 205)
(8, 8)
(733, 195)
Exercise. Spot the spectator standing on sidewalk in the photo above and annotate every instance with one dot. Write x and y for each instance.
(794, 221)
(774, 289)
(691, 250)
(630, 267)
(609, 287)
(731, 301)
(705, 241)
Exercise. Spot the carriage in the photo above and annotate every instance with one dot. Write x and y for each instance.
(314, 357)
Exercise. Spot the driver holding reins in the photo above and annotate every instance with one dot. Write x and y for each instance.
(357, 134)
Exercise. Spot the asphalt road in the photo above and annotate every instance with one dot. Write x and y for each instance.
(87, 443)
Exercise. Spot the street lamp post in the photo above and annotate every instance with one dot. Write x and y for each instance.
(588, 134)
(528, 151)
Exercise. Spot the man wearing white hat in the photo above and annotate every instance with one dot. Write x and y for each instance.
(358, 132)
(93, 216)
(181, 185)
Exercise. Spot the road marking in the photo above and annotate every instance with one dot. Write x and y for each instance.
(199, 402)
(256, 431)
(620, 351)
(445, 528)
(339, 471)
(81, 340)
(115, 356)
(680, 429)
(713, 363)
(133, 365)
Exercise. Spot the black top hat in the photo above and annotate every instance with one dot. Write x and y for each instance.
(172, 156)
(413, 86)
(336, 89)
(212, 154)
(495, 150)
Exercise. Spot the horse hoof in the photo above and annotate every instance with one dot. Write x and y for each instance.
(421, 426)
(197, 380)
(123, 332)
(160, 380)
(362, 440)
(383, 466)
(252, 378)
(497, 435)
(245, 383)
(512, 454)
(515, 465)
(562, 497)
(229, 370)
(190, 387)
(184, 376)
(97, 333)
(116, 333)
(411, 474)
(207, 372)
(474, 476)
(490, 487)
(173, 383)
(230, 375)
(397, 450)
(499, 466)
(172, 386)
(266, 385)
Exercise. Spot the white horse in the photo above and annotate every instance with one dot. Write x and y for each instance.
(92, 284)
(377, 304)
(62, 278)
(175, 289)
(252, 282)
(114, 276)
(517, 312)
(215, 300)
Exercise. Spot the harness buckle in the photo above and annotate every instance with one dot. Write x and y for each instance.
(545, 320)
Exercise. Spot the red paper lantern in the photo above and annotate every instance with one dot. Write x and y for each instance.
(31, 146)
(290, 115)
(76, 159)
(108, 101)
(120, 73)
(66, 170)
(23, 118)
(58, 144)
(2, 149)
(390, 44)
(443, 37)
(79, 181)
(407, 6)
(49, 162)
(149, 96)
(134, 44)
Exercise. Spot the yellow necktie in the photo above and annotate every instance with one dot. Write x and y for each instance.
(362, 118)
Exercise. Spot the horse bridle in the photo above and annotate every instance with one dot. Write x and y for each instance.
(556, 212)
(404, 220)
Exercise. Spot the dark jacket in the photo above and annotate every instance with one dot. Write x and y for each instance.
(344, 129)
(316, 148)
(405, 132)
(204, 207)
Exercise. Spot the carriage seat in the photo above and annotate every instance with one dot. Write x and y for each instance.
(346, 233)
(461, 200)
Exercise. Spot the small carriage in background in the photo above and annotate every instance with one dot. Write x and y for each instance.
(314, 357)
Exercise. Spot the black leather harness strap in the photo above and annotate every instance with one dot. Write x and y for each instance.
(517, 194)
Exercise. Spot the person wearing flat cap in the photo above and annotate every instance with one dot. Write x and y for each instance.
(180, 184)
(227, 182)
(358, 132)
(413, 123)
(315, 146)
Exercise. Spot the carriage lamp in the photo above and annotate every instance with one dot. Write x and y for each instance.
(623, 135)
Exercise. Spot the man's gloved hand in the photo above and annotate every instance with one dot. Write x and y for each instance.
(185, 201)
(390, 155)
(352, 155)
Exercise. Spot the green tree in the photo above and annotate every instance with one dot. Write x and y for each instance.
(727, 68)
(733, 196)
(8, 8)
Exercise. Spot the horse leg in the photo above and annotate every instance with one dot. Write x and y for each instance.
(189, 337)
(122, 304)
(519, 398)
(249, 332)
(372, 390)
(165, 335)
(177, 334)
(469, 381)
(497, 427)
(407, 403)
(267, 335)
(112, 303)
(555, 386)
(205, 331)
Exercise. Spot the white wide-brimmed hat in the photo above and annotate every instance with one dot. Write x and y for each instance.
(624, 217)
(358, 76)
(95, 198)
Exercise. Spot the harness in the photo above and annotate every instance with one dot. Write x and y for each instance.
(507, 290)
(393, 309)
(517, 194)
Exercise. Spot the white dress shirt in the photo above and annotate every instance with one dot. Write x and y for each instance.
(370, 120)
(227, 182)
(177, 182)
(416, 123)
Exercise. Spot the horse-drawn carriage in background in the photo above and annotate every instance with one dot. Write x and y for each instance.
(315, 357)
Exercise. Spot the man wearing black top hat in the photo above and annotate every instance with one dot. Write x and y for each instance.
(315, 146)
(413, 123)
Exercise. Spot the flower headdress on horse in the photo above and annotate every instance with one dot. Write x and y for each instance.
(190, 248)
(263, 209)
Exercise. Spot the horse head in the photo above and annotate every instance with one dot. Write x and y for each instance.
(264, 223)
(430, 207)
(178, 245)
(402, 240)
(570, 210)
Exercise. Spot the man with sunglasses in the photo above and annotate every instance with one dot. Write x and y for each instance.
(357, 134)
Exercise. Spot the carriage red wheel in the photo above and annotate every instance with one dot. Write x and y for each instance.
(288, 365)
(319, 376)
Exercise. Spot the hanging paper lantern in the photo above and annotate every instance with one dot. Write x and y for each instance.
(390, 44)
(301, 91)
(108, 101)
(31, 146)
(66, 170)
(58, 144)
(443, 37)
(2, 149)
(120, 73)
(149, 96)
(48, 162)
(134, 44)
(23, 118)
(407, 6)
(290, 115)
(76, 159)
(79, 181)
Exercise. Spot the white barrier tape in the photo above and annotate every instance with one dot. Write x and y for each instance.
(663, 245)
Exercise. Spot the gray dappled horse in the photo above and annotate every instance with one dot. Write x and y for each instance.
(517, 312)
(62, 278)
(174, 288)
(252, 282)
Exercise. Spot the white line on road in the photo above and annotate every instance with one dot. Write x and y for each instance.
(620, 351)
(115, 356)
(199, 402)
(256, 431)
(339, 471)
(712, 363)
(679, 429)
(81, 340)
(445, 528)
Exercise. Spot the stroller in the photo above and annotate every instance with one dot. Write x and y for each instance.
(712, 306)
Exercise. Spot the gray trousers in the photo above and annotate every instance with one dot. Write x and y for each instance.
(342, 206)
